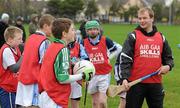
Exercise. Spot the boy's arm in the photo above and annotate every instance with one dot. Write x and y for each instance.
(15, 67)
(9, 61)
(113, 48)
(116, 52)
(62, 66)
(83, 53)
(44, 45)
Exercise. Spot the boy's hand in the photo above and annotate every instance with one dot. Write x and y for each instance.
(87, 74)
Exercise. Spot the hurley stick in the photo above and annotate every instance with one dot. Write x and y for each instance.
(114, 90)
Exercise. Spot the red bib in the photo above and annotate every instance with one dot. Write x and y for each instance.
(98, 56)
(8, 79)
(30, 67)
(147, 57)
(59, 93)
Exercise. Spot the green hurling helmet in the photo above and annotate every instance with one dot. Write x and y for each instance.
(91, 24)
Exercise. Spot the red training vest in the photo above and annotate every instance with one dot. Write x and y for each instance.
(147, 57)
(8, 79)
(30, 67)
(74, 52)
(59, 93)
(98, 56)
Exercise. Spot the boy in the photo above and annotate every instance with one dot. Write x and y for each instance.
(10, 59)
(55, 78)
(77, 52)
(100, 50)
(28, 91)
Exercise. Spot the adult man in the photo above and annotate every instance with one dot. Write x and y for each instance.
(145, 51)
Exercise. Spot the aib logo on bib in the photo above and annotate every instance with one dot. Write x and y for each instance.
(149, 51)
(96, 58)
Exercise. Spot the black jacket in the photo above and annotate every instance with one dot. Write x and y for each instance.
(128, 52)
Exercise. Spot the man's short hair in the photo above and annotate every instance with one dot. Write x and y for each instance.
(146, 9)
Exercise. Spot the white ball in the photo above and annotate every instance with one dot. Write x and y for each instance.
(80, 66)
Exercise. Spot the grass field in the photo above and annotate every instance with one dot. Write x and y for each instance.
(171, 81)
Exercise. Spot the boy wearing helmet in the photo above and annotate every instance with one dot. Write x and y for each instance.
(100, 50)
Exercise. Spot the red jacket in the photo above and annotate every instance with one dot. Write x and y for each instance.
(8, 79)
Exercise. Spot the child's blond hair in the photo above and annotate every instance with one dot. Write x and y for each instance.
(11, 31)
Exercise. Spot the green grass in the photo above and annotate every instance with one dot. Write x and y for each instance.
(171, 81)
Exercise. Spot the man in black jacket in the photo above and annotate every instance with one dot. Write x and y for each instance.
(145, 51)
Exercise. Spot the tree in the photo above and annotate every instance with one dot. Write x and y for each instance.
(157, 8)
(132, 12)
(116, 8)
(176, 13)
(54, 7)
(71, 7)
(91, 9)
(11, 10)
(65, 8)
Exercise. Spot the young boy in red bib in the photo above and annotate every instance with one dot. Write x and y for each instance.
(100, 50)
(55, 75)
(35, 47)
(10, 60)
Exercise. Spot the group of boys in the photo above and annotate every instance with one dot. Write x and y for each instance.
(42, 76)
